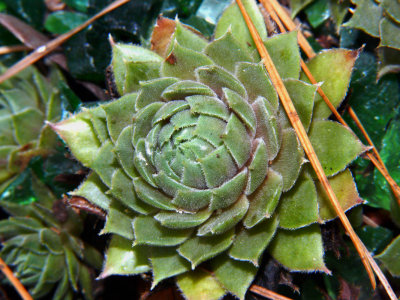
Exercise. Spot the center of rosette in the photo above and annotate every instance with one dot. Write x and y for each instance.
(196, 149)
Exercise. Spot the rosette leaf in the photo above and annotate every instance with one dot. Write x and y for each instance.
(26, 101)
(46, 252)
(201, 163)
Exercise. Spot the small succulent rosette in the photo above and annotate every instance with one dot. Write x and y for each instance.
(27, 100)
(41, 243)
(197, 163)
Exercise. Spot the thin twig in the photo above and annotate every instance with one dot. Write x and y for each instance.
(305, 141)
(11, 49)
(14, 281)
(267, 293)
(42, 51)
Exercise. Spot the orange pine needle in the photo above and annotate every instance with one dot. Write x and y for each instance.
(267, 293)
(305, 141)
(306, 47)
(11, 49)
(42, 51)
(14, 281)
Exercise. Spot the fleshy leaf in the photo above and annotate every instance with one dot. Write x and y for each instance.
(267, 126)
(235, 276)
(226, 220)
(264, 201)
(132, 64)
(226, 51)
(200, 285)
(257, 83)
(345, 190)
(285, 54)
(334, 153)
(105, 163)
(299, 206)
(182, 220)
(299, 250)
(250, 243)
(199, 249)
(182, 62)
(232, 19)
(258, 167)
(124, 150)
(123, 259)
(340, 64)
(123, 190)
(149, 232)
(166, 262)
(290, 159)
(119, 221)
(80, 137)
(93, 190)
(302, 96)
(119, 114)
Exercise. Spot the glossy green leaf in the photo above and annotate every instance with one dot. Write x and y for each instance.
(390, 257)
(298, 5)
(299, 250)
(60, 22)
(366, 17)
(199, 285)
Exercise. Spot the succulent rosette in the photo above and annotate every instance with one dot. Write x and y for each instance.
(198, 163)
(41, 242)
(26, 101)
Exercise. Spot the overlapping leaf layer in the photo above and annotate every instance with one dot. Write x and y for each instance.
(198, 162)
(26, 102)
(46, 252)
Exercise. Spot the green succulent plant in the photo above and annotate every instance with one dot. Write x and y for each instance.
(26, 101)
(197, 161)
(40, 241)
